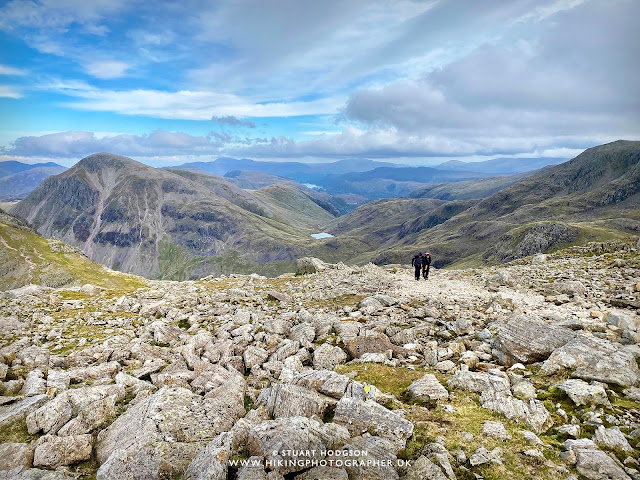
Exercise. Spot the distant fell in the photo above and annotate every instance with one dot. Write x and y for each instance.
(502, 166)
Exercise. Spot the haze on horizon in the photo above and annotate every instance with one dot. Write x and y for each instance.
(414, 82)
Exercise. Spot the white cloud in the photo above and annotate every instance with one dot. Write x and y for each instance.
(186, 104)
(106, 69)
(7, 91)
(7, 70)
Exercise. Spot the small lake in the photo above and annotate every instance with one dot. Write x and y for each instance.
(321, 235)
(312, 186)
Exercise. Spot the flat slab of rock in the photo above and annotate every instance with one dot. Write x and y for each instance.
(428, 390)
(211, 462)
(16, 455)
(528, 339)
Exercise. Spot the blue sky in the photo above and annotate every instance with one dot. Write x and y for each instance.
(415, 82)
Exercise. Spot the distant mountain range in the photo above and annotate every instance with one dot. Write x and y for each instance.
(17, 179)
(595, 196)
(183, 223)
(502, 166)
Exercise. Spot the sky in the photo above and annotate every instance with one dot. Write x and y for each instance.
(413, 82)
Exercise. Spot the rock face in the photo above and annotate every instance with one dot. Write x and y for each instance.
(528, 339)
(309, 265)
(164, 432)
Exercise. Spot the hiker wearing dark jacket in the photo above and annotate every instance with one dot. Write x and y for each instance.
(426, 263)
(416, 262)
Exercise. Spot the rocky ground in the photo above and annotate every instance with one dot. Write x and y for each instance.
(528, 370)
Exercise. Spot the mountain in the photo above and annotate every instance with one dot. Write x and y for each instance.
(172, 224)
(468, 189)
(595, 196)
(502, 166)
(11, 167)
(386, 182)
(253, 180)
(20, 184)
(28, 258)
(302, 172)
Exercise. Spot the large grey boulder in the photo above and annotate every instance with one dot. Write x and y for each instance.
(526, 339)
(377, 463)
(53, 451)
(428, 390)
(328, 382)
(163, 433)
(286, 443)
(323, 473)
(532, 413)
(594, 358)
(328, 357)
(612, 438)
(423, 468)
(583, 393)
(309, 265)
(494, 381)
(286, 400)
(592, 463)
(89, 407)
(360, 416)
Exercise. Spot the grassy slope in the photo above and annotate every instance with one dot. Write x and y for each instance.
(27, 258)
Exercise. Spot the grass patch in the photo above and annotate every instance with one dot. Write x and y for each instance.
(16, 433)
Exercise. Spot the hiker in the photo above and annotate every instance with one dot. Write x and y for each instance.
(416, 262)
(426, 263)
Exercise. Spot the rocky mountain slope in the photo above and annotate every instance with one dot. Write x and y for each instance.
(172, 224)
(502, 166)
(26, 258)
(528, 370)
(595, 196)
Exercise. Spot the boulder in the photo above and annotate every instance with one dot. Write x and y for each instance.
(593, 463)
(328, 357)
(92, 407)
(286, 400)
(309, 265)
(527, 339)
(582, 393)
(53, 451)
(612, 438)
(162, 434)
(478, 382)
(35, 384)
(327, 382)
(253, 356)
(287, 443)
(18, 411)
(595, 359)
(495, 430)
(360, 416)
(375, 458)
(532, 413)
(428, 390)
(423, 468)
(371, 343)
